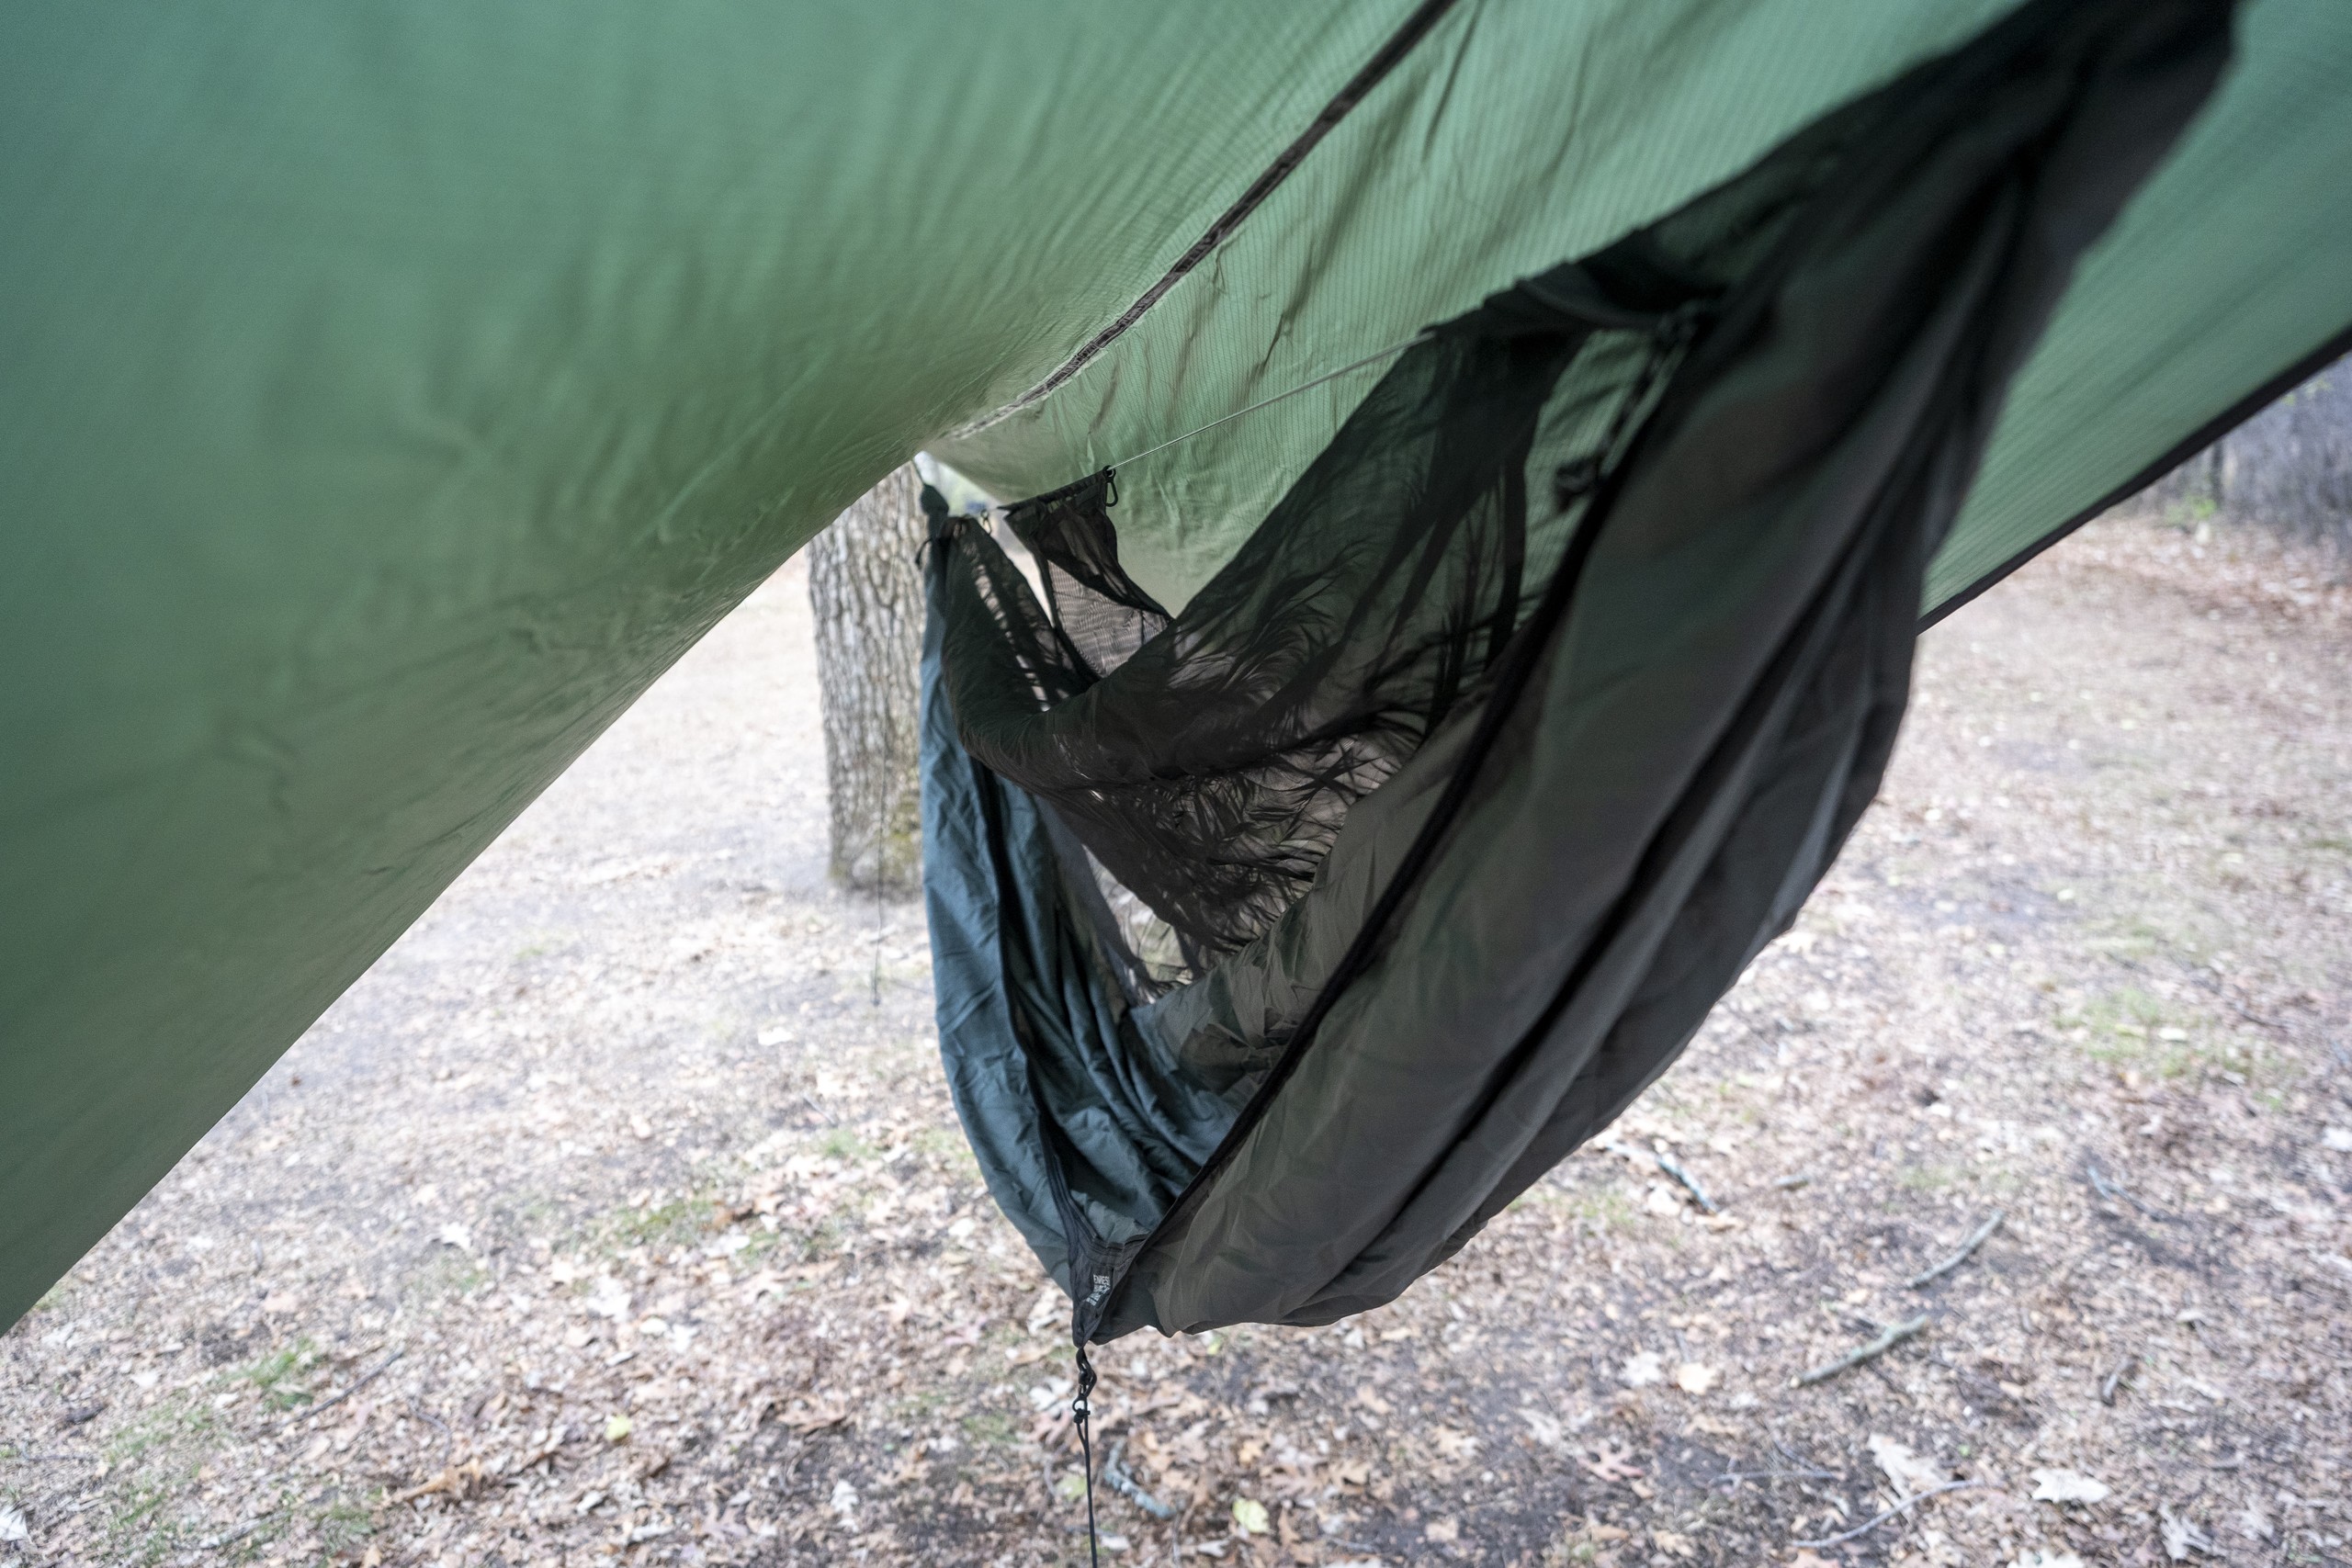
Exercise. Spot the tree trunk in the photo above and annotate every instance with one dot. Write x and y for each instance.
(865, 588)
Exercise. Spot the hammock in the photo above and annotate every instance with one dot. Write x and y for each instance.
(1282, 942)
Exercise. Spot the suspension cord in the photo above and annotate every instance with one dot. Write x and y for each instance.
(1391, 352)
(1080, 1410)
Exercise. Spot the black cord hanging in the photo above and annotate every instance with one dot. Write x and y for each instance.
(1080, 1410)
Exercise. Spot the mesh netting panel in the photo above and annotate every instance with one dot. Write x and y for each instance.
(1207, 761)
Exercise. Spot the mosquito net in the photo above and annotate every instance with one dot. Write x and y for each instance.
(1282, 940)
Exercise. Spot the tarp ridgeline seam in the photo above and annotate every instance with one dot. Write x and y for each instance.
(1400, 43)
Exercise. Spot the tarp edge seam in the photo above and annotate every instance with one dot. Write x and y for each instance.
(2303, 369)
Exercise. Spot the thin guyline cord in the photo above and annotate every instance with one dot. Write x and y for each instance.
(1391, 352)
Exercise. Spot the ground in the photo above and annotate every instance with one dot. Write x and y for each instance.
(618, 1214)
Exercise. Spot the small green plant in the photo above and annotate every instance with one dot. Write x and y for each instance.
(989, 1430)
(342, 1526)
(157, 1455)
(1604, 1209)
(1933, 1178)
(945, 1144)
(843, 1144)
(448, 1272)
(280, 1377)
(669, 1223)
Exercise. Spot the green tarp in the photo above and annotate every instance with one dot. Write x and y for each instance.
(392, 392)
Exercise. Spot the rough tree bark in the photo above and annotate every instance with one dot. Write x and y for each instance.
(865, 588)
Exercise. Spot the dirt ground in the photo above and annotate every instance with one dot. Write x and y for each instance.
(618, 1214)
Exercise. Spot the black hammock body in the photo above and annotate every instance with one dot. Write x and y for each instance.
(1280, 941)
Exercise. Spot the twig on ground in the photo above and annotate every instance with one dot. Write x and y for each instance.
(2115, 1191)
(1739, 1475)
(2114, 1379)
(1893, 1387)
(1670, 1166)
(37, 1456)
(820, 1110)
(332, 1400)
(1673, 1168)
(2238, 1006)
(1116, 1475)
(1903, 1507)
(519, 1472)
(235, 1533)
(1747, 1023)
(1790, 1183)
(1891, 1335)
(2099, 1182)
(1966, 1249)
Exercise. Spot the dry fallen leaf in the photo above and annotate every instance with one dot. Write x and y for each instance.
(1680, 1545)
(1910, 1474)
(1692, 1377)
(1453, 1444)
(1611, 1461)
(805, 1420)
(1250, 1517)
(1441, 1530)
(1642, 1369)
(2182, 1535)
(2048, 1560)
(617, 1428)
(454, 1480)
(2067, 1486)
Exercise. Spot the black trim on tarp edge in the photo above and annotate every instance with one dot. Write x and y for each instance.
(2204, 436)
